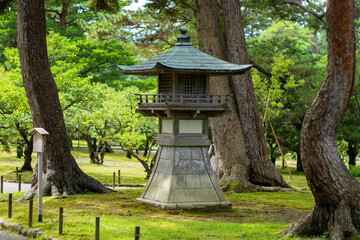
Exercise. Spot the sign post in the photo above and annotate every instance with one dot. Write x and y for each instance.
(39, 135)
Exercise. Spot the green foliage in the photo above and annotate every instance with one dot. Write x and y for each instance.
(99, 61)
(355, 171)
(8, 33)
(294, 76)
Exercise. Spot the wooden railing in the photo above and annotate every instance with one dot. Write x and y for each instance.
(185, 99)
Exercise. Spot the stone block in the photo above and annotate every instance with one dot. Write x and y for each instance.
(190, 167)
(184, 195)
(206, 195)
(184, 153)
(166, 181)
(167, 166)
(181, 181)
(160, 166)
(196, 153)
(150, 193)
(157, 180)
(217, 187)
(166, 153)
(205, 180)
(162, 194)
(193, 180)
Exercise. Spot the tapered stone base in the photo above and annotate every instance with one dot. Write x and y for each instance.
(183, 179)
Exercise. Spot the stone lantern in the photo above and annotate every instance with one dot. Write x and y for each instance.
(182, 177)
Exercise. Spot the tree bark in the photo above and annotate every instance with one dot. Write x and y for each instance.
(336, 191)
(239, 137)
(62, 176)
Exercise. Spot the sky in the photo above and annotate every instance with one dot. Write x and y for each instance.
(135, 5)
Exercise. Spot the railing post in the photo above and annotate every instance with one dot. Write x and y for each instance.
(97, 228)
(31, 212)
(119, 178)
(61, 220)
(10, 205)
(113, 180)
(141, 99)
(137, 233)
(19, 182)
(146, 98)
(2, 184)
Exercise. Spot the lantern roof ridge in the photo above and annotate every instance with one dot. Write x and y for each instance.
(183, 57)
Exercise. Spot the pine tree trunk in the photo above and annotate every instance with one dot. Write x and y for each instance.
(239, 137)
(61, 173)
(336, 191)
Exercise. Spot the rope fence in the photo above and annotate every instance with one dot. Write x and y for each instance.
(61, 215)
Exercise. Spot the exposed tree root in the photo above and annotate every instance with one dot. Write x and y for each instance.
(241, 188)
(53, 185)
(340, 221)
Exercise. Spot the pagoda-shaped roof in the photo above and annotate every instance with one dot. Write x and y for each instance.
(185, 58)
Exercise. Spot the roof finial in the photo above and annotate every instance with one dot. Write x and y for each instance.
(183, 30)
(183, 39)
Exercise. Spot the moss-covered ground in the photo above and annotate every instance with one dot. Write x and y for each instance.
(259, 215)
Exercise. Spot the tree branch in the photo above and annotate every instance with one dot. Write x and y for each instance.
(260, 69)
(310, 11)
(71, 20)
(54, 11)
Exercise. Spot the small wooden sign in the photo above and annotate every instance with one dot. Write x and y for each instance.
(39, 135)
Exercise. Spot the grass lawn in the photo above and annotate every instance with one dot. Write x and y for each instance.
(253, 216)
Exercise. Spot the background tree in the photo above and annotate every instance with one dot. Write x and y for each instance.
(62, 176)
(335, 190)
(239, 137)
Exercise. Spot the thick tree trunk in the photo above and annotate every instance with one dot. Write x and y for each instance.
(336, 191)
(61, 173)
(353, 151)
(239, 137)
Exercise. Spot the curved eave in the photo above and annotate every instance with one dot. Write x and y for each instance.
(234, 69)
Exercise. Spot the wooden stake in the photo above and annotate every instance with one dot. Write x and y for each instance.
(137, 233)
(19, 182)
(2, 184)
(31, 212)
(97, 228)
(61, 220)
(277, 141)
(10, 205)
(113, 180)
(119, 178)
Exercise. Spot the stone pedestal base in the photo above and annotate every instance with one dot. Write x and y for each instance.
(182, 178)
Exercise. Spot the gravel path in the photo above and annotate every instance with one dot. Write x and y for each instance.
(5, 235)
